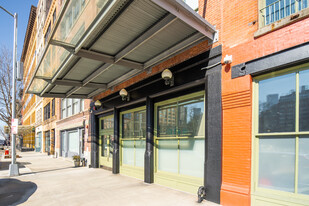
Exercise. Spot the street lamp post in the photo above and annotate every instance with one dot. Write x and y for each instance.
(13, 166)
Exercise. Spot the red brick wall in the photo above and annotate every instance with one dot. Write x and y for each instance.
(234, 20)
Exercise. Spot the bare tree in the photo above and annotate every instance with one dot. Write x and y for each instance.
(6, 69)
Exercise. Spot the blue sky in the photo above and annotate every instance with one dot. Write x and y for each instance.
(22, 8)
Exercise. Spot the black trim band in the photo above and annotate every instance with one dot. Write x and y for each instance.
(280, 60)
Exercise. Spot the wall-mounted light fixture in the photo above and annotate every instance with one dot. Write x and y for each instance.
(228, 59)
(124, 95)
(97, 104)
(167, 75)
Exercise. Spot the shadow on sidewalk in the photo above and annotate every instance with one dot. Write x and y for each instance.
(13, 192)
(51, 170)
(6, 165)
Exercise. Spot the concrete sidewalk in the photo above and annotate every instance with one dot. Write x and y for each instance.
(59, 183)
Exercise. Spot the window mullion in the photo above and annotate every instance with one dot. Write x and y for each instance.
(297, 103)
(297, 130)
(296, 163)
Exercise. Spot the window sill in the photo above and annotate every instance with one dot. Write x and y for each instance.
(282, 23)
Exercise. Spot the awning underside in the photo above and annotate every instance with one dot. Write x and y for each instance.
(123, 39)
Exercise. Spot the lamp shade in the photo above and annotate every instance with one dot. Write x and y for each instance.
(97, 103)
(123, 93)
(167, 74)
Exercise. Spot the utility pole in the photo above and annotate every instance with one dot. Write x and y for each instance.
(14, 171)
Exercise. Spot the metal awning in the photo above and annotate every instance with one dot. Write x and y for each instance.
(97, 44)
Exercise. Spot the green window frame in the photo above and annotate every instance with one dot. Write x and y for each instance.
(133, 137)
(280, 145)
(106, 125)
(178, 136)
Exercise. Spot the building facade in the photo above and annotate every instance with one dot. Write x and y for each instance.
(72, 129)
(213, 102)
(263, 96)
(27, 139)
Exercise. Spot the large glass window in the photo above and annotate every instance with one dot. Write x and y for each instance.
(282, 133)
(180, 135)
(133, 138)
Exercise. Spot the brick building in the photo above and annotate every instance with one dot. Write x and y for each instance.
(169, 106)
(268, 41)
(29, 100)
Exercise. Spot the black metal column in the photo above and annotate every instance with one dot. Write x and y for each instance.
(116, 142)
(94, 140)
(149, 167)
(213, 134)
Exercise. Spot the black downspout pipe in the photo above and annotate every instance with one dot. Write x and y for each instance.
(149, 167)
(204, 8)
(94, 139)
(116, 142)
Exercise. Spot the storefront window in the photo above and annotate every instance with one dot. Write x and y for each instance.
(282, 134)
(277, 104)
(304, 100)
(180, 135)
(133, 137)
(134, 125)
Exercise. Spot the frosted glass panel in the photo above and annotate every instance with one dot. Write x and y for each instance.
(73, 142)
(128, 152)
(191, 157)
(168, 155)
(303, 166)
(304, 100)
(277, 104)
(140, 146)
(277, 163)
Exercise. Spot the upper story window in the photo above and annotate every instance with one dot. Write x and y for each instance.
(274, 10)
(70, 107)
(192, 3)
(47, 112)
(53, 107)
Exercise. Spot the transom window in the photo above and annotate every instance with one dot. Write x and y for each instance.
(281, 133)
(274, 10)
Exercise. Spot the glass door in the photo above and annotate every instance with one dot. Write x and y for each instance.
(132, 142)
(106, 140)
(47, 141)
(38, 142)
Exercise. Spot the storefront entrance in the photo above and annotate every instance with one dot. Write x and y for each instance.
(180, 142)
(38, 142)
(47, 141)
(132, 142)
(106, 140)
(70, 142)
